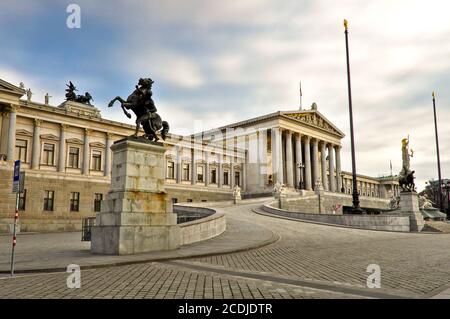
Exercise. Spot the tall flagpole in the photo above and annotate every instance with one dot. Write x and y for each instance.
(437, 152)
(356, 208)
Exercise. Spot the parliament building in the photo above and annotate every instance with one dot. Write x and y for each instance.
(65, 153)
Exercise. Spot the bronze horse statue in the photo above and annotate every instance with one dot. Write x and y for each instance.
(407, 182)
(141, 103)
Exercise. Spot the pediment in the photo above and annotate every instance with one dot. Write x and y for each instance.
(74, 141)
(11, 88)
(49, 137)
(315, 119)
(97, 144)
(23, 132)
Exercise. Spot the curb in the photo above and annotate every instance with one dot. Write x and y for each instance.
(274, 238)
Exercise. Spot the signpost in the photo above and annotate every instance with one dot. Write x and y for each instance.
(16, 189)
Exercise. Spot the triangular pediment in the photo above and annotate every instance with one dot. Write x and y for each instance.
(97, 144)
(49, 137)
(11, 88)
(23, 132)
(74, 141)
(315, 119)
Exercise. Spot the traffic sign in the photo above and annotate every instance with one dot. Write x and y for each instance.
(16, 177)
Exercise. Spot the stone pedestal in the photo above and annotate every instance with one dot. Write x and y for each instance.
(409, 204)
(137, 215)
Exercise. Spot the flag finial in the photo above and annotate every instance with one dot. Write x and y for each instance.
(345, 24)
(433, 95)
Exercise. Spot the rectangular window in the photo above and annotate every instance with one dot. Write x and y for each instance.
(97, 202)
(49, 154)
(225, 178)
(96, 160)
(213, 176)
(74, 157)
(74, 201)
(237, 179)
(48, 200)
(170, 169)
(174, 200)
(22, 200)
(186, 172)
(21, 150)
(199, 173)
(189, 200)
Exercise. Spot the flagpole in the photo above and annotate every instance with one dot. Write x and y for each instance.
(301, 95)
(356, 208)
(437, 152)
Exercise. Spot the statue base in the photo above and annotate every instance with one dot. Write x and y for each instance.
(237, 199)
(136, 216)
(409, 205)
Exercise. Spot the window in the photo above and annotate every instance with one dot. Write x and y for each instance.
(189, 200)
(213, 176)
(74, 157)
(225, 178)
(49, 154)
(74, 201)
(174, 200)
(237, 179)
(170, 169)
(21, 150)
(199, 173)
(48, 200)
(96, 160)
(204, 200)
(186, 172)
(22, 199)
(97, 202)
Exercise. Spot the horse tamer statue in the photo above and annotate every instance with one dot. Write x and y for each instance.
(141, 103)
(406, 176)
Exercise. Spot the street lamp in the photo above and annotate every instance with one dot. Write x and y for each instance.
(356, 208)
(301, 166)
(342, 183)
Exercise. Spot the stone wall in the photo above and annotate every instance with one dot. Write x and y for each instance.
(309, 202)
(201, 229)
(373, 222)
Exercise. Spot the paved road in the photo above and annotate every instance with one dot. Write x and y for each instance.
(309, 261)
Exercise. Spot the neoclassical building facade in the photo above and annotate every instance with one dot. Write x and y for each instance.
(65, 154)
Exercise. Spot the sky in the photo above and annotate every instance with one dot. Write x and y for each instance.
(217, 62)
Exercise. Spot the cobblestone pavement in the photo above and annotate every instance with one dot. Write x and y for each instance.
(309, 261)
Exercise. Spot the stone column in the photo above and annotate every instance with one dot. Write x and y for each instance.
(193, 168)
(231, 173)
(86, 154)
(179, 165)
(289, 160)
(338, 167)
(277, 152)
(298, 158)
(220, 171)
(331, 159)
(308, 181)
(12, 132)
(206, 172)
(324, 166)
(36, 150)
(62, 148)
(315, 161)
(243, 177)
(108, 154)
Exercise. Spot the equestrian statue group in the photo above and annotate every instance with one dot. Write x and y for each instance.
(140, 102)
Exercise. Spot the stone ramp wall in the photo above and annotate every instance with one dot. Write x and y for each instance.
(201, 229)
(374, 222)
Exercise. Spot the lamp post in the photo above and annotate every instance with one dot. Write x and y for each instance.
(342, 183)
(437, 153)
(356, 208)
(301, 166)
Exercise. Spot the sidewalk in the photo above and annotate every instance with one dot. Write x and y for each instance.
(54, 251)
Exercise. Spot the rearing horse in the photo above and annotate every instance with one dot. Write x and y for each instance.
(151, 122)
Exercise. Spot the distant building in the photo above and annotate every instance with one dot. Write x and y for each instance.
(65, 153)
